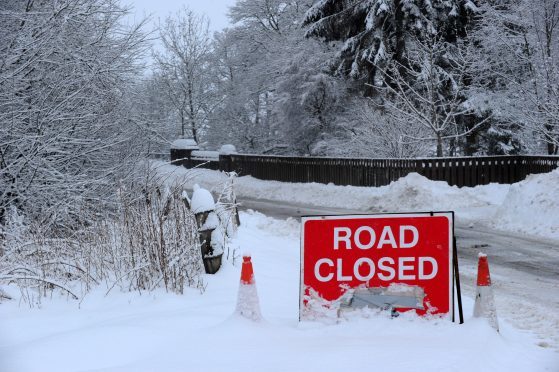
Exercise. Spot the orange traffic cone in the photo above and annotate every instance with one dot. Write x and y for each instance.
(247, 300)
(485, 304)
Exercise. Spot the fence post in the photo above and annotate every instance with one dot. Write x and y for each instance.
(225, 163)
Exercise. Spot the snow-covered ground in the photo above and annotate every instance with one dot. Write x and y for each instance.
(197, 332)
(158, 331)
(529, 207)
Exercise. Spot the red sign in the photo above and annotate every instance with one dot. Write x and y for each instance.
(376, 253)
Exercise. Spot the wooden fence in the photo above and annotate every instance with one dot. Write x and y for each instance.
(459, 171)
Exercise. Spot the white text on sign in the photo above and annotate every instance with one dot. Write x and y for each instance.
(385, 268)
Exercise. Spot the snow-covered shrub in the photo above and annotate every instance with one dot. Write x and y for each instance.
(149, 240)
(40, 261)
(156, 241)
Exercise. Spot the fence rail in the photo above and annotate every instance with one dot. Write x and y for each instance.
(460, 171)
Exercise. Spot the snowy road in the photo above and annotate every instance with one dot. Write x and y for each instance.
(532, 256)
(525, 270)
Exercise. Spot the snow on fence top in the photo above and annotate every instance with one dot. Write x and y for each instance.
(202, 200)
(206, 155)
(227, 150)
(184, 144)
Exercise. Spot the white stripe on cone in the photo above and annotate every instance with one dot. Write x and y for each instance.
(485, 303)
(247, 302)
(485, 306)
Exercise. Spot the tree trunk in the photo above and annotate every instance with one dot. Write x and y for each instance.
(439, 145)
(399, 32)
(192, 118)
(551, 145)
(551, 148)
(182, 124)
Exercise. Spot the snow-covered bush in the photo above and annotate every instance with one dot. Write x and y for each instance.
(150, 240)
(68, 129)
(158, 234)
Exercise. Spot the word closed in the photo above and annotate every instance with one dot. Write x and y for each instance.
(344, 252)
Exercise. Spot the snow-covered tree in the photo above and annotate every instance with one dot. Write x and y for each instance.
(66, 133)
(251, 58)
(310, 103)
(157, 115)
(539, 31)
(430, 90)
(278, 95)
(237, 117)
(374, 32)
(446, 77)
(516, 75)
(183, 68)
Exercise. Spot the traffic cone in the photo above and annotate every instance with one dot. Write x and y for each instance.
(485, 304)
(247, 300)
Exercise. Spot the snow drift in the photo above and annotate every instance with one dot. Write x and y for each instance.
(531, 206)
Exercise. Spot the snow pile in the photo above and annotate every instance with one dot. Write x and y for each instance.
(285, 228)
(184, 144)
(411, 193)
(211, 223)
(164, 332)
(202, 200)
(227, 150)
(417, 193)
(531, 206)
(218, 242)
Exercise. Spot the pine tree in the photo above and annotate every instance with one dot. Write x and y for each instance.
(375, 32)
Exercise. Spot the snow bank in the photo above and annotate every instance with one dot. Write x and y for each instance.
(417, 193)
(531, 206)
(411, 193)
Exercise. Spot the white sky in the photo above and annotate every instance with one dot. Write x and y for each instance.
(216, 10)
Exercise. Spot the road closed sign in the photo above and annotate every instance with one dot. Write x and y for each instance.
(397, 261)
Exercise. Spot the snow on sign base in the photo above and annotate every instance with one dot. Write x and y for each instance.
(376, 255)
